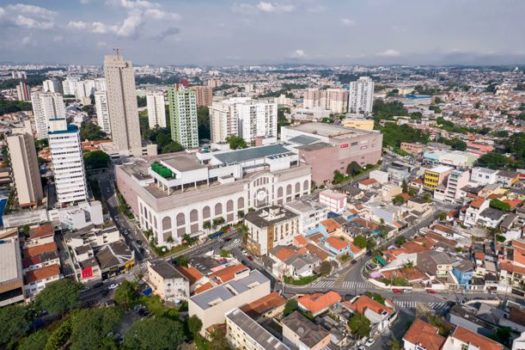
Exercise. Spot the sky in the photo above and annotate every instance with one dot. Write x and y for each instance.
(230, 32)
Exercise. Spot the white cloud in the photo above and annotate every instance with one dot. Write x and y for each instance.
(299, 53)
(263, 7)
(129, 27)
(28, 16)
(159, 14)
(389, 53)
(137, 4)
(77, 24)
(347, 22)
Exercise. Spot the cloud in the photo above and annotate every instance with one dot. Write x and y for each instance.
(137, 4)
(263, 7)
(347, 22)
(129, 28)
(159, 14)
(168, 32)
(77, 25)
(28, 16)
(389, 53)
(299, 53)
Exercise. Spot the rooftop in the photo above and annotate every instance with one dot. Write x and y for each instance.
(10, 262)
(425, 335)
(255, 331)
(310, 333)
(303, 139)
(327, 130)
(166, 270)
(268, 216)
(219, 294)
(477, 340)
(182, 162)
(42, 274)
(318, 302)
(261, 306)
(247, 154)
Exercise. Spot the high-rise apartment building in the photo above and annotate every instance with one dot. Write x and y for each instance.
(52, 85)
(213, 83)
(26, 174)
(122, 104)
(183, 116)
(69, 85)
(361, 99)
(244, 117)
(101, 107)
(156, 109)
(67, 161)
(204, 95)
(335, 100)
(46, 106)
(23, 91)
(312, 98)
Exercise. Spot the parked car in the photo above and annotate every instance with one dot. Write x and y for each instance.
(113, 286)
(431, 291)
(369, 342)
(397, 291)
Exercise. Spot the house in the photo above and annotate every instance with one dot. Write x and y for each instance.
(463, 271)
(475, 208)
(379, 315)
(167, 282)
(434, 263)
(268, 306)
(301, 333)
(242, 332)
(293, 262)
(462, 338)
(483, 176)
(310, 213)
(212, 305)
(507, 178)
(318, 303)
(36, 280)
(422, 336)
(435, 176)
(367, 184)
(337, 245)
(229, 273)
(40, 235)
(418, 204)
(490, 217)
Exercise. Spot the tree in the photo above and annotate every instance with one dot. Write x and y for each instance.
(360, 241)
(90, 328)
(291, 306)
(218, 339)
(394, 344)
(91, 132)
(13, 323)
(492, 160)
(236, 142)
(370, 244)
(398, 200)
(404, 186)
(172, 147)
(37, 340)
(359, 325)
(400, 241)
(154, 333)
(141, 101)
(60, 336)
(59, 297)
(126, 294)
(96, 160)
(497, 204)
(325, 268)
(338, 177)
(353, 169)
(194, 325)
(203, 122)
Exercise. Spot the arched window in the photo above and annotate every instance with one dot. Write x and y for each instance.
(229, 206)
(194, 215)
(240, 203)
(306, 185)
(280, 192)
(206, 212)
(297, 187)
(181, 219)
(288, 189)
(166, 223)
(218, 209)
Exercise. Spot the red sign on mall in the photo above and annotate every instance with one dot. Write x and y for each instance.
(343, 145)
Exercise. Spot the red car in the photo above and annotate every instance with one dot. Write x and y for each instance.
(431, 291)
(397, 291)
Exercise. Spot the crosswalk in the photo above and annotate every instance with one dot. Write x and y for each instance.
(411, 304)
(349, 285)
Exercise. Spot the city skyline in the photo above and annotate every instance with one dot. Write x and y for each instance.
(263, 32)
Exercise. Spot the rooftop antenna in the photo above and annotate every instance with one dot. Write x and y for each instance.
(117, 52)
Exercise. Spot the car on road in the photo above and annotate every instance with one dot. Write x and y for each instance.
(113, 286)
(431, 291)
(98, 285)
(397, 291)
(369, 342)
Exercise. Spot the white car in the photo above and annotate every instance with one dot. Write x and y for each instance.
(113, 286)
(369, 342)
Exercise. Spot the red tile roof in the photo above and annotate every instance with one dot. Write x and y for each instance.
(337, 243)
(479, 341)
(40, 249)
(368, 182)
(364, 302)
(319, 252)
(264, 304)
(45, 230)
(425, 335)
(203, 288)
(331, 225)
(191, 273)
(477, 202)
(228, 273)
(42, 274)
(300, 241)
(318, 302)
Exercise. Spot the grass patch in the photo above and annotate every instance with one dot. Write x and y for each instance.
(300, 281)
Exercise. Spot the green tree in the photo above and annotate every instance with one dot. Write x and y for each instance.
(172, 147)
(126, 294)
(325, 268)
(218, 339)
(492, 160)
(398, 200)
(60, 336)
(395, 344)
(338, 177)
(497, 204)
(400, 241)
(154, 333)
(236, 142)
(291, 306)
(370, 244)
(387, 110)
(359, 325)
(59, 297)
(90, 328)
(203, 122)
(194, 325)
(225, 253)
(360, 241)
(37, 340)
(141, 101)
(353, 169)
(91, 132)
(14, 323)
(404, 186)
(96, 160)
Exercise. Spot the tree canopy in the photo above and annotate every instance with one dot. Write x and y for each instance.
(59, 297)
(387, 110)
(359, 325)
(236, 142)
(13, 323)
(37, 340)
(360, 241)
(126, 294)
(91, 328)
(492, 160)
(154, 333)
(203, 122)
(291, 306)
(91, 132)
(96, 160)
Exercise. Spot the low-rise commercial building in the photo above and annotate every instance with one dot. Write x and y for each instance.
(167, 282)
(11, 275)
(435, 176)
(212, 305)
(243, 332)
